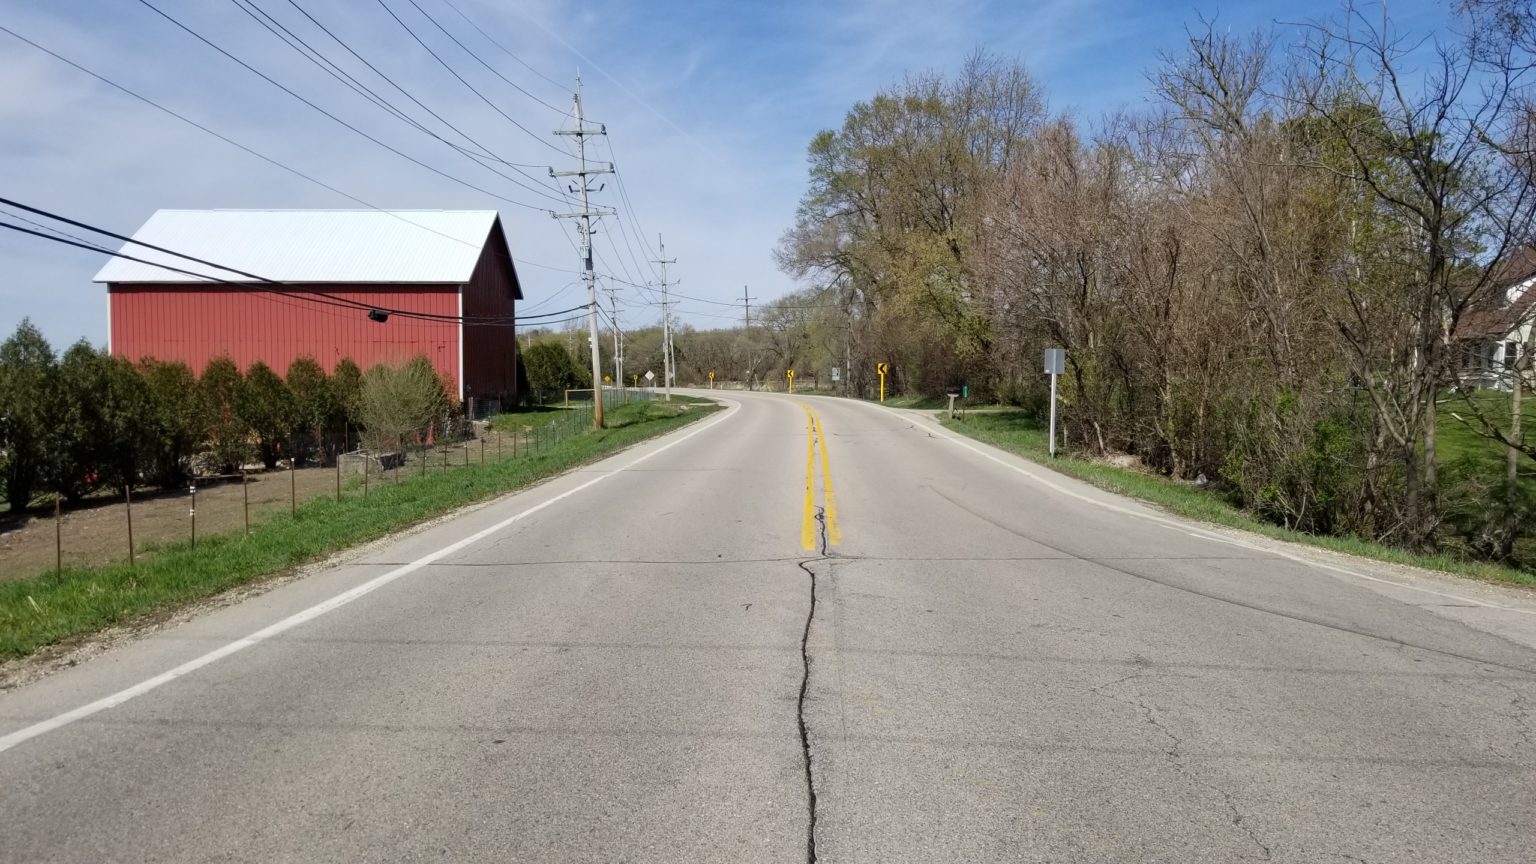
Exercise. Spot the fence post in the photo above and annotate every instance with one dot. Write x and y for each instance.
(482, 453)
(366, 468)
(128, 507)
(400, 456)
(245, 491)
(293, 484)
(338, 474)
(192, 487)
(58, 536)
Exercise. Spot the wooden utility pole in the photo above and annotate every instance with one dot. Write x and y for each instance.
(584, 216)
(667, 367)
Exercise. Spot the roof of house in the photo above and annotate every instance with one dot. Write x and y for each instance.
(1510, 303)
(337, 246)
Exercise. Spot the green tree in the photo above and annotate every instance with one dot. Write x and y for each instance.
(127, 424)
(81, 439)
(228, 435)
(28, 412)
(175, 420)
(551, 371)
(106, 428)
(266, 407)
(346, 386)
(314, 401)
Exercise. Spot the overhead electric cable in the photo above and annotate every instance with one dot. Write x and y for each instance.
(285, 89)
(406, 93)
(259, 155)
(514, 85)
(314, 56)
(461, 78)
(504, 49)
(261, 280)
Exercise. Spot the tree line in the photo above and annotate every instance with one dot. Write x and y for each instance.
(1269, 277)
(87, 420)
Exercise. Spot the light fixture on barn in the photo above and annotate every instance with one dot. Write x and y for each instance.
(378, 315)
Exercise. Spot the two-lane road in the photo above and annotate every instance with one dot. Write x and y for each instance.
(801, 627)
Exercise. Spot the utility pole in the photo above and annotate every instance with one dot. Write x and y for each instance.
(666, 318)
(584, 223)
(618, 344)
(746, 332)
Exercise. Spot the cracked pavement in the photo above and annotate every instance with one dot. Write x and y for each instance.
(985, 667)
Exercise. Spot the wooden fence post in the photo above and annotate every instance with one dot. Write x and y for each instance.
(128, 507)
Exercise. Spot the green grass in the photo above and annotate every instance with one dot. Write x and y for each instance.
(44, 610)
(1457, 442)
(1021, 433)
(933, 403)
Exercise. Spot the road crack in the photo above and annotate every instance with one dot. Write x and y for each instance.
(1521, 713)
(1175, 755)
(805, 686)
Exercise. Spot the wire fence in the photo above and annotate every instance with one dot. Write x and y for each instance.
(611, 396)
(130, 523)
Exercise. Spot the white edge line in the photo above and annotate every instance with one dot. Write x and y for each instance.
(58, 721)
(1168, 523)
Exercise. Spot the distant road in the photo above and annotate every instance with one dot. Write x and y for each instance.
(626, 665)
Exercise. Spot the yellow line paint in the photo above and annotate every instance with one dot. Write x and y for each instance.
(808, 512)
(834, 534)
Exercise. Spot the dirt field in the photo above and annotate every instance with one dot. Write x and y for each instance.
(96, 531)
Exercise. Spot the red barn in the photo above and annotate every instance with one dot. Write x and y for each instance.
(450, 264)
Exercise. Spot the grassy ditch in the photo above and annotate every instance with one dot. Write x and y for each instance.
(44, 610)
(1021, 433)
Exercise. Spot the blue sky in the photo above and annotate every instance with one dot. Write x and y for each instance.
(709, 106)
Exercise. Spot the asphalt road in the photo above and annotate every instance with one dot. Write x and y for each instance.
(938, 653)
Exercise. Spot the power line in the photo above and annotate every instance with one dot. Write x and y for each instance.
(427, 15)
(259, 155)
(280, 86)
(330, 299)
(276, 295)
(504, 49)
(339, 41)
(316, 57)
(461, 78)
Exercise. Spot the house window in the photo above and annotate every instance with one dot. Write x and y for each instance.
(1511, 354)
(1485, 355)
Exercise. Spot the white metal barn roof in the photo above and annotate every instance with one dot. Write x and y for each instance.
(406, 246)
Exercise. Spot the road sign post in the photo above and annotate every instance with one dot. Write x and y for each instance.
(881, 369)
(791, 375)
(1055, 364)
(711, 380)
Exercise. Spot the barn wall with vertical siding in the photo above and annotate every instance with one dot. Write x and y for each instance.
(195, 323)
(490, 350)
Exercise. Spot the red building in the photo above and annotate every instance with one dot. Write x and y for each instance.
(452, 265)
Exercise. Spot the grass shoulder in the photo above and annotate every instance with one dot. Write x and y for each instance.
(48, 609)
(1019, 432)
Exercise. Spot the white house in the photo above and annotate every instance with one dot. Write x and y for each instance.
(1494, 338)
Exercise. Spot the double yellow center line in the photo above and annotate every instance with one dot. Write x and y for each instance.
(814, 436)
